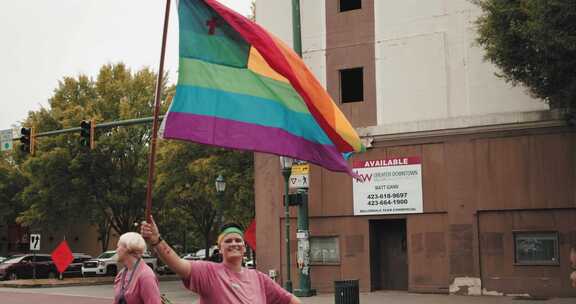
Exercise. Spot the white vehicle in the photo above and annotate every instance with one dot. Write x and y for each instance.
(201, 254)
(104, 264)
(107, 264)
(151, 261)
(189, 256)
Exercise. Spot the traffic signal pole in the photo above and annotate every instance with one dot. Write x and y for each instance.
(106, 125)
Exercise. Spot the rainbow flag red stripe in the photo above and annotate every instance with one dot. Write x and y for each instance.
(240, 87)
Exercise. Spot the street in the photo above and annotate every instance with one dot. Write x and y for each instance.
(95, 294)
(174, 290)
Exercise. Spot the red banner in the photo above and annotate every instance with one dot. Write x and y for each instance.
(250, 235)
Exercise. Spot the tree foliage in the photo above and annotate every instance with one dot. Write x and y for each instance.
(533, 42)
(12, 182)
(187, 183)
(65, 183)
(69, 183)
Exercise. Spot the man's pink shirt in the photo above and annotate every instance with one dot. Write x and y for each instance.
(215, 283)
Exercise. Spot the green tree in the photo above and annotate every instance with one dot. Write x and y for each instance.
(70, 183)
(533, 42)
(66, 183)
(12, 182)
(186, 182)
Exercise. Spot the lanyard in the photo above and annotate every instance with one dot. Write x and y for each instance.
(123, 290)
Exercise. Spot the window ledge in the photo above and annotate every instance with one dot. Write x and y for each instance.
(538, 264)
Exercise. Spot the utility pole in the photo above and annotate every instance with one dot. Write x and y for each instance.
(303, 233)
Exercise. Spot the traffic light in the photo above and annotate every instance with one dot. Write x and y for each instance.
(27, 140)
(87, 133)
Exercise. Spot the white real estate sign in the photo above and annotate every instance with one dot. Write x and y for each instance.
(388, 186)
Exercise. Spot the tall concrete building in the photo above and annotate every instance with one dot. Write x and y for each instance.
(486, 174)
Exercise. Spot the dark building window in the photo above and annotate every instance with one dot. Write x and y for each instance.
(324, 250)
(352, 85)
(349, 5)
(536, 248)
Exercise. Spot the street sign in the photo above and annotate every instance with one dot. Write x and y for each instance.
(300, 176)
(301, 169)
(299, 181)
(6, 140)
(62, 256)
(35, 242)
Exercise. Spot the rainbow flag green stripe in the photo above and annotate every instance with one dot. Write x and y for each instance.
(199, 73)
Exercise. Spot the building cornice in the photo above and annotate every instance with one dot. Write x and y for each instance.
(463, 126)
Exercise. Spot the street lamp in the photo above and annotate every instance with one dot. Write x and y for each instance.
(220, 184)
(286, 165)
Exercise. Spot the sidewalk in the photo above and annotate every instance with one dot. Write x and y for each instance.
(67, 282)
(390, 297)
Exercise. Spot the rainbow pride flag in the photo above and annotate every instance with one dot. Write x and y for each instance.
(240, 87)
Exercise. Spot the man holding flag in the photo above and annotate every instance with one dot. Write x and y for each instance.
(226, 282)
(240, 87)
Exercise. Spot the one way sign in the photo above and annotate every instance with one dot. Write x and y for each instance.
(35, 242)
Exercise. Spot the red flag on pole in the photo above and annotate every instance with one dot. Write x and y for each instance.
(250, 235)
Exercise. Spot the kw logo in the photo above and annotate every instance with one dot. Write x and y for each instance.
(363, 177)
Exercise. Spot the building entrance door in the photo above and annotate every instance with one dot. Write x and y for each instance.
(388, 257)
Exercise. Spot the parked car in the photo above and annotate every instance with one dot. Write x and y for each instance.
(163, 269)
(2, 259)
(201, 254)
(151, 261)
(75, 268)
(106, 264)
(21, 267)
(189, 256)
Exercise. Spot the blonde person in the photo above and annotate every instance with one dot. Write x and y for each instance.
(222, 283)
(136, 283)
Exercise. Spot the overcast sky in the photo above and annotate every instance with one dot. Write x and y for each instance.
(45, 40)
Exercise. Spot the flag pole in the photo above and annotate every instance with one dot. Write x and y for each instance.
(158, 95)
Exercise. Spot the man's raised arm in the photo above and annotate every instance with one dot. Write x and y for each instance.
(151, 234)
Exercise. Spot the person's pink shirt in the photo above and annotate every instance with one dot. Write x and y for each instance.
(215, 283)
(142, 290)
